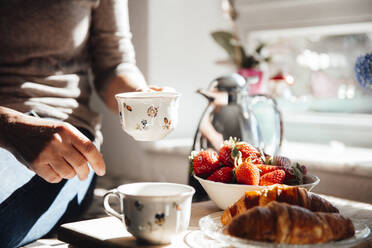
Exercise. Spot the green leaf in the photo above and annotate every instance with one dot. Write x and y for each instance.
(191, 162)
(191, 167)
(226, 41)
(298, 173)
(249, 62)
(234, 152)
(259, 48)
(234, 176)
(269, 160)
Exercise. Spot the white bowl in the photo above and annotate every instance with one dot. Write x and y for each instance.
(226, 194)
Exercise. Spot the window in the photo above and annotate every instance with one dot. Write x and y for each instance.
(316, 42)
(321, 60)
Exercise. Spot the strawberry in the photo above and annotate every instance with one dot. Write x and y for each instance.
(264, 168)
(247, 173)
(247, 151)
(225, 155)
(223, 175)
(204, 163)
(233, 149)
(303, 170)
(294, 175)
(274, 177)
(277, 160)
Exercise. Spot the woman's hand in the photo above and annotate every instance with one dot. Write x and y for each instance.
(53, 150)
(152, 88)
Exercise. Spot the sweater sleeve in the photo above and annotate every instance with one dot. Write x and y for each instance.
(110, 42)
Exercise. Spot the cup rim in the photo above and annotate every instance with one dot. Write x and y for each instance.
(188, 193)
(145, 95)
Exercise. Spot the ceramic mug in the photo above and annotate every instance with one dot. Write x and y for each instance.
(148, 116)
(153, 212)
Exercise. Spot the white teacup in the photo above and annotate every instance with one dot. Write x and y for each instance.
(148, 116)
(153, 212)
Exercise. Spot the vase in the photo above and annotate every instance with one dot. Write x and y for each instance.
(255, 88)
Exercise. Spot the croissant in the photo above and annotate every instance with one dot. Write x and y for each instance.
(289, 224)
(281, 193)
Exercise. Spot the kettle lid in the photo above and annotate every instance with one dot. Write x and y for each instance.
(230, 82)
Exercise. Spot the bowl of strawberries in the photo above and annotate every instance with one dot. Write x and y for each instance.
(239, 167)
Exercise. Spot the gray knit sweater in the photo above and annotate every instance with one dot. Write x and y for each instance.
(47, 49)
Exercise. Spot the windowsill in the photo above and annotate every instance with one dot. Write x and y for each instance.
(333, 157)
(334, 119)
(353, 129)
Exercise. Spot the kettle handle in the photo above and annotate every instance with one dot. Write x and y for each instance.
(265, 98)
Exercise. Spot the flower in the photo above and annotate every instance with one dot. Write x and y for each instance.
(152, 111)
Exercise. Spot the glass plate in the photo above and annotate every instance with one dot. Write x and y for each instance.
(211, 226)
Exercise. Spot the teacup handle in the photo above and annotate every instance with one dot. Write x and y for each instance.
(106, 204)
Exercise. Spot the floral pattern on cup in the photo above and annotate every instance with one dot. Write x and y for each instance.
(121, 116)
(159, 219)
(167, 123)
(138, 205)
(129, 108)
(177, 206)
(143, 114)
(152, 111)
(143, 125)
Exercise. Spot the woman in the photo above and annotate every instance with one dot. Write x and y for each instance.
(49, 136)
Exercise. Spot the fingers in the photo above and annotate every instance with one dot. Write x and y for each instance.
(78, 163)
(66, 164)
(46, 172)
(149, 89)
(143, 89)
(89, 151)
(63, 168)
(155, 88)
(67, 155)
(163, 89)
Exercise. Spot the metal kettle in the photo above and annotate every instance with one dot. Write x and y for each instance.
(233, 112)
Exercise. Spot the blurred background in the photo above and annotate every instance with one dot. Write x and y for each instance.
(306, 51)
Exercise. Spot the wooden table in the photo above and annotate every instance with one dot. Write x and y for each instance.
(109, 231)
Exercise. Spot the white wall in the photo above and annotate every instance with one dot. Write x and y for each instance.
(182, 53)
(174, 47)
